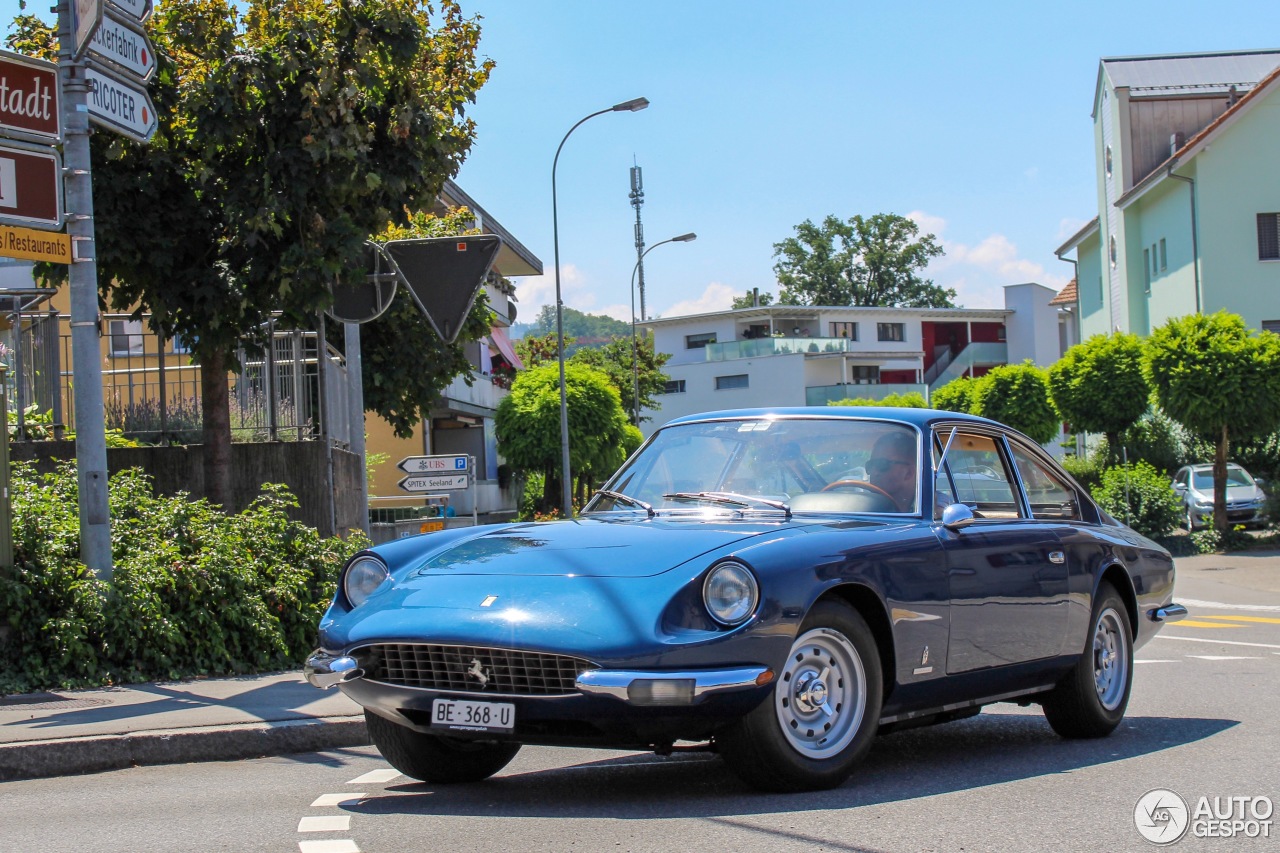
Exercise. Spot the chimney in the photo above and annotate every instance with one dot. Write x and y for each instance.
(755, 297)
(1176, 141)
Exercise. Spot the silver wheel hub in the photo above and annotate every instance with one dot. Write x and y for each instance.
(821, 694)
(1110, 658)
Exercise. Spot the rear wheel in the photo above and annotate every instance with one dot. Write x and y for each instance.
(440, 760)
(1090, 702)
(824, 710)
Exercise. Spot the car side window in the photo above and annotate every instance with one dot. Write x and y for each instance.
(980, 477)
(1048, 494)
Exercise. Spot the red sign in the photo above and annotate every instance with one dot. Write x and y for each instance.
(29, 98)
(30, 187)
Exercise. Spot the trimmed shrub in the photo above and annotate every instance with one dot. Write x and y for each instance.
(909, 400)
(1087, 472)
(1141, 497)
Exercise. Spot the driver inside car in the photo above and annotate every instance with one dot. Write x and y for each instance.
(892, 468)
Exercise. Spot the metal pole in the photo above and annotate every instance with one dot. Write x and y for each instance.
(635, 357)
(91, 439)
(6, 522)
(355, 409)
(637, 200)
(19, 374)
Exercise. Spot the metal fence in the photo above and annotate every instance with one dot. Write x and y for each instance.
(151, 386)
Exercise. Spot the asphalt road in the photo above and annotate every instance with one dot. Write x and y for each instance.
(1202, 723)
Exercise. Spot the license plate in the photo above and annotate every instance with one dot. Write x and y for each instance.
(467, 716)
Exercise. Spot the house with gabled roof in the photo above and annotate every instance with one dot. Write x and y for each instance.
(1188, 192)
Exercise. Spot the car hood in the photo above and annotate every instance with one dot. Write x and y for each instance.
(1234, 493)
(587, 547)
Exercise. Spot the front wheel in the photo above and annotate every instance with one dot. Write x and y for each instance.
(1090, 702)
(439, 760)
(824, 711)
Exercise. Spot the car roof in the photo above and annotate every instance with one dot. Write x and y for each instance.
(918, 417)
(1208, 466)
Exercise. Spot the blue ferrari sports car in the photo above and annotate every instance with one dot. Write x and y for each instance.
(778, 586)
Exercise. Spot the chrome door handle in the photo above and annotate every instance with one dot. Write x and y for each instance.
(1057, 557)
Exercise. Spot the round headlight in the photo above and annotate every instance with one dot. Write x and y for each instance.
(363, 575)
(730, 593)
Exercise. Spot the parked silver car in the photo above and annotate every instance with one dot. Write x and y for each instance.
(1246, 502)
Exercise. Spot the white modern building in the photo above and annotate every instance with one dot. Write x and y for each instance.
(801, 355)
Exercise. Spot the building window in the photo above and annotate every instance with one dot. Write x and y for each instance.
(180, 345)
(699, 341)
(1164, 257)
(1146, 269)
(1269, 236)
(845, 330)
(1271, 326)
(673, 386)
(724, 383)
(1112, 251)
(1000, 333)
(864, 374)
(891, 331)
(126, 338)
(1108, 159)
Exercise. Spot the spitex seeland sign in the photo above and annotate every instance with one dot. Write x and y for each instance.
(29, 99)
(29, 244)
(435, 483)
(124, 44)
(120, 105)
(30, 186)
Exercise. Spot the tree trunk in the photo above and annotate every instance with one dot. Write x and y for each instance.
(1220, 482)
(216, 414)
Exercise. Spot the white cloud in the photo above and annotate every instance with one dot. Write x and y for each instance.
(716, 297)
(978, 273)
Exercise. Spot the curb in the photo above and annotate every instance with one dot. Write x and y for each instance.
(72, 756)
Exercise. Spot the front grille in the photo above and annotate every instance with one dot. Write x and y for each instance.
(471, 669)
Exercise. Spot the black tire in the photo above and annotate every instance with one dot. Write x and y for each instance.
(439, 760)
(833, 643)
(1091, 700)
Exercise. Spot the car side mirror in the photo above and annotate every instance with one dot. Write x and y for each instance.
(956, 516)
(1179, 487)
(1261, 481)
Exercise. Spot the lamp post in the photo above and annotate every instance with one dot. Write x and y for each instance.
(635, 356)
(566, 487)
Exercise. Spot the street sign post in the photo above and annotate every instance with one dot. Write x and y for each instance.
(449, 464)
(120, 105)
(435, 482)
(30, 186)
(29, 105)
(125, 44)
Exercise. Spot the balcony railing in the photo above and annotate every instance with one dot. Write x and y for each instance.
(825, 395)
(982, 354)
(760, 347)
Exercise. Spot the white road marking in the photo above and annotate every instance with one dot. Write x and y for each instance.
(386, 775)
(1219, 642)
(338, 845)
(337, 799)
(1223, 657)
(1218, 605)
(325, 823)
(1157, 661)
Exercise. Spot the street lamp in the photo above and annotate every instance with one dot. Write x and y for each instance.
(635, 358)
(633, 105)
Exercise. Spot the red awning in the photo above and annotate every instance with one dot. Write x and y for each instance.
(500, 340)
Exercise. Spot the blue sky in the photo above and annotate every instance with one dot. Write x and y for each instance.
(973, 118)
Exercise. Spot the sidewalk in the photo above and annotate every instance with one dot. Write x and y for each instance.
(88, 731)
(225, 719)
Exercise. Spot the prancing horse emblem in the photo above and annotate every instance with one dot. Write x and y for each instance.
(477, 672)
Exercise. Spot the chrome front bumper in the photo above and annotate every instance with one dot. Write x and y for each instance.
(1168, 613)
(638, 687)
(325, 670)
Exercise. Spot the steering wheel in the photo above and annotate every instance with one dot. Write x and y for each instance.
(858, 484)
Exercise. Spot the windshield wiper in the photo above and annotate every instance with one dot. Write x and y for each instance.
(626, 499)
(731, 498)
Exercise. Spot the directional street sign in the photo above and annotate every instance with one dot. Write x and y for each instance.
(30, 186)
(86, 15)
(29, 107)
(452, 464)
(435, 483)
(135, 10)
(125, 44)
(30, 245)
(120, 105)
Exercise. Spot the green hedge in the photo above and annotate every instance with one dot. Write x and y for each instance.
(1141, 497)
(195, 591)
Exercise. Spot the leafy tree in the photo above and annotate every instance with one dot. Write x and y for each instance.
(873, 261)
(955, 396)
(405, 364)
(910, 400)
(288, 134)
(614, 359)
(528, 426)
(1217, 378)
(540, 349)
(587, 329)
(1140, 496)
(1017, 395)
(749, 301)
(1098, 386)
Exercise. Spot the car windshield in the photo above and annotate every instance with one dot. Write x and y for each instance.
(1236, 476)
(771, 465)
